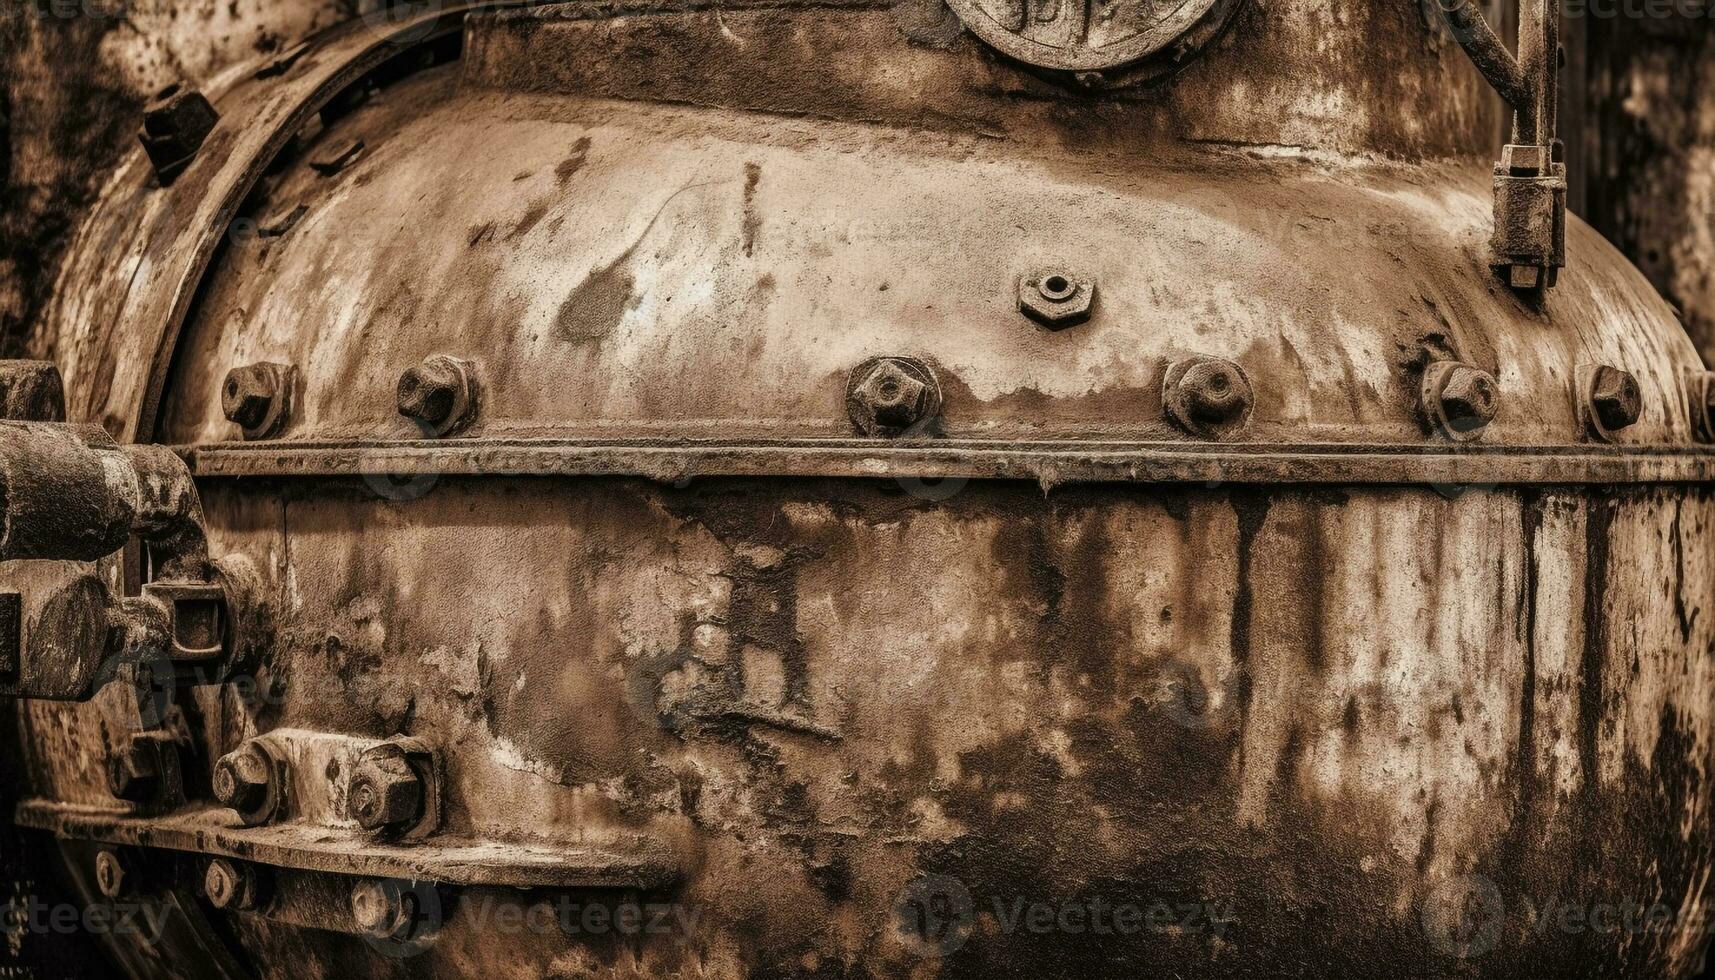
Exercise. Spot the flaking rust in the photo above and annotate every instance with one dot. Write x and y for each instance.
(815, 490)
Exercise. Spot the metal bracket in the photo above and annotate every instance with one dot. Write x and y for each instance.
(1529, 243)
(452, 860)
(71, 497)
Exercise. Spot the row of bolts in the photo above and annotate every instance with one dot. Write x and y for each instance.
(887, 397)
(893, 396)
(386, 796)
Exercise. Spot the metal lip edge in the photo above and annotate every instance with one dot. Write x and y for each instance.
(451, 860)
(1043, 462)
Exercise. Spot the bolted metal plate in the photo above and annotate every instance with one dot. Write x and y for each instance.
(1081, 35)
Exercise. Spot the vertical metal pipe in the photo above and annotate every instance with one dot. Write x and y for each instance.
(1539, 41)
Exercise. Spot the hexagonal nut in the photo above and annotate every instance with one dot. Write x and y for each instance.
(386, 792)
(441, 394)
(1458, 399)
(134, 770)
(383, 910)
(1056, 299)
(1207, 396)
(175, 124)
(257, 398)
(1613, 400)
(246, 781)
(229, 885)
(890, 396)
(112, 878)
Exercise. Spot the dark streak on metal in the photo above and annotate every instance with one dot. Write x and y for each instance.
(1592, 703)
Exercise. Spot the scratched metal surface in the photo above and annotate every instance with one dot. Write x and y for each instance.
(1320, 706)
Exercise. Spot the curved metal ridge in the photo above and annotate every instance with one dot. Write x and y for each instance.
(258, 118)
(1045, 462)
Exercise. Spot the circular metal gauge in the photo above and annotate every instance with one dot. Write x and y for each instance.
(1084, 35)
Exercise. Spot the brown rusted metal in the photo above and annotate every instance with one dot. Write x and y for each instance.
(175, 125)
(450, 858)
(1315, 582)
(258, 397)
(442, 393)
(1046, 464)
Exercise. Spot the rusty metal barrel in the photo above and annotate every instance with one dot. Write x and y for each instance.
(978, 488)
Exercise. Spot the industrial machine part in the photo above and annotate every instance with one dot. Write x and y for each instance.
(828, 489)
(1529, 242)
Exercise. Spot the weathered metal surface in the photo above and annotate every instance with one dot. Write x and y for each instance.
(854, 687)
(179, 228)
(916, 459)
(853, 706)
(449, 859)
(591, 332)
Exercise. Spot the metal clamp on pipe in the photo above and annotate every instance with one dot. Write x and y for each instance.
(1528, 248)
(70, 496)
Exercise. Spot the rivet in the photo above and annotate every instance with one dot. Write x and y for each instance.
(229, 885)
(1056, 298)
(1700, 386)
(111, 876)
(382, 910)
(258, 398)
(247, 781)
(1610, 399)
(175, 124)
(134, 770)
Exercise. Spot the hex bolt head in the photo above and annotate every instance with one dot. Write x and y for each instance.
(890, 396)
(229, 885)
(244, 780)
(257, 398)
(386, 792)
(441, 394)
(1459, 399)
(382, 910)
(1615, 400)
(175, 124)
(111, 878)
(1207, 396)
(1056, 299)
(134, 770)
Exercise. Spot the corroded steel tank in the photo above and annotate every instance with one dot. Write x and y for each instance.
(823, 489)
